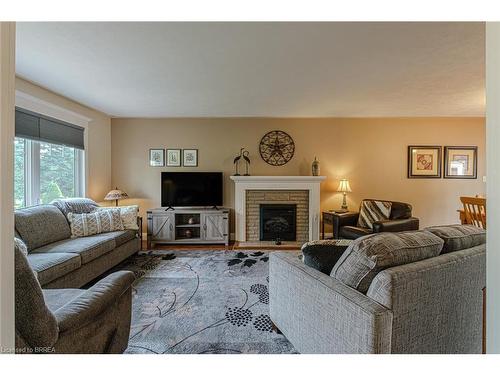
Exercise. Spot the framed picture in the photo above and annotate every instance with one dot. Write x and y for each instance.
(424, 161)
(173, 157)
(157, 157)
(190, 157)
(460, 162)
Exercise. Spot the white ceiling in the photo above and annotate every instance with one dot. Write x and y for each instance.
(260, 69)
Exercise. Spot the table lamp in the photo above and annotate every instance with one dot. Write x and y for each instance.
(344, 188)
(115, 195)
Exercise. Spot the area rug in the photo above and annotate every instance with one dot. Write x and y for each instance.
(202, 302)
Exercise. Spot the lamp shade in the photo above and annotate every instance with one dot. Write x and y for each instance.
(344, 186)
(115, 195)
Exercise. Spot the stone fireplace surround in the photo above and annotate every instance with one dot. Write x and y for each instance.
(255, 198)
(283, 184)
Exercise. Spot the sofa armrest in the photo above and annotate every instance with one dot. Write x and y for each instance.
(400, 225)
(319, 314)
(322, 254)
(342, 220)
(94, 301)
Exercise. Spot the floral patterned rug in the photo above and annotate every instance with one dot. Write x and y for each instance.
(202, 302)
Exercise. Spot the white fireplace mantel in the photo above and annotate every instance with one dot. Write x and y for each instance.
(244, 183)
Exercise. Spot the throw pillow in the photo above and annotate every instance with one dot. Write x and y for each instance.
(372, 211)
(459, 237)
(75, 205)
(101, 221)
(19, 244)
(369, 255)
(128, 215)
(323, 254)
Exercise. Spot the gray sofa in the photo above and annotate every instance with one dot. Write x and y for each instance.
(96, 320)
(432, 305)
(64, 262)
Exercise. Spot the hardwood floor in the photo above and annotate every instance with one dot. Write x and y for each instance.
(232, 246)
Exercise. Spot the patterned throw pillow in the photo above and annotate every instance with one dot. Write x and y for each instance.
(101, 221)
(129, 216)
(75, 205)
(372, 211)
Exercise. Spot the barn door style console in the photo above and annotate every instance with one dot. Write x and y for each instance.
(188, 225)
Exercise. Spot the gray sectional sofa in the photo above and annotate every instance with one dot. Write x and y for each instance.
(60, 261)
(365, 305)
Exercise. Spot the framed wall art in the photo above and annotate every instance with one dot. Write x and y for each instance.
(424, 161)
(460, 162)
(174, 157)
(190, 157)
(156, 157)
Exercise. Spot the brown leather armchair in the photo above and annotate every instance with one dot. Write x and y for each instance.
(400, 220)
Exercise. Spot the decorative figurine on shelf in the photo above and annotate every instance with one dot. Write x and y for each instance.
(191, 220)
(315, 167)
(243, 155)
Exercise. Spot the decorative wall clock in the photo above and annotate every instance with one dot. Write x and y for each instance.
(276, 148)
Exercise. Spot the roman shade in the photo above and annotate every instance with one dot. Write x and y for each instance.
(37, 127)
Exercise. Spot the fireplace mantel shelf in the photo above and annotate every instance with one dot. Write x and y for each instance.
(309, 183)
(278, 178)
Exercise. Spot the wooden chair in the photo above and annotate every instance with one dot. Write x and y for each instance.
(475, 211)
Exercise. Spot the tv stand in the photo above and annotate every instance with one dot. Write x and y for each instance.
(188, 225)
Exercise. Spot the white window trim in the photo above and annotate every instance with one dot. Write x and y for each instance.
(34, 104)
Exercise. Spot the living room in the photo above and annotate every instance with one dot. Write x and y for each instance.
(149, 157)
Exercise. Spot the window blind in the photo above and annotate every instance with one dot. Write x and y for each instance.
(38, 127)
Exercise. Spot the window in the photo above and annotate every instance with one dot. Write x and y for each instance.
(46, 171)
(19, 172)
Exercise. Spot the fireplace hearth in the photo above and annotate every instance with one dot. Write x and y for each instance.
(278, 222)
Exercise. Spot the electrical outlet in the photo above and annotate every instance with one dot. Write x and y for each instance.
(484, 178)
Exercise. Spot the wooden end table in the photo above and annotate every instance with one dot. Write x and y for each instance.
(327, 218)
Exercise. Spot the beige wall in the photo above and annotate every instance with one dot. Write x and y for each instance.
(98, 147)
(7, 68)
(371, 153)
(493, 237)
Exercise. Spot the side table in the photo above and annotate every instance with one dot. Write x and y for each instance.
(327, 218)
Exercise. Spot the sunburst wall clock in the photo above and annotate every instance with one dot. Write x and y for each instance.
(276, 148)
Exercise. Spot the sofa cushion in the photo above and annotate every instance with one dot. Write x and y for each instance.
(120, 237)
(351, 233)
(51, 266)
(459, 237)
(100, 221)
(75, 205)
(369, 255)
(41, 225)
(371, 211)
(89, 248)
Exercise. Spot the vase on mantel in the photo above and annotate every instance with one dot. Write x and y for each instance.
(315, 167)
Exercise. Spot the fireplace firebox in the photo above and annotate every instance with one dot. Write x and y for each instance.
(278, 222)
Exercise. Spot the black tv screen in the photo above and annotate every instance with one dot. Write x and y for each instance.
(185, 189)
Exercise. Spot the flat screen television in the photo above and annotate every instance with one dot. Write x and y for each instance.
(191, 189)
